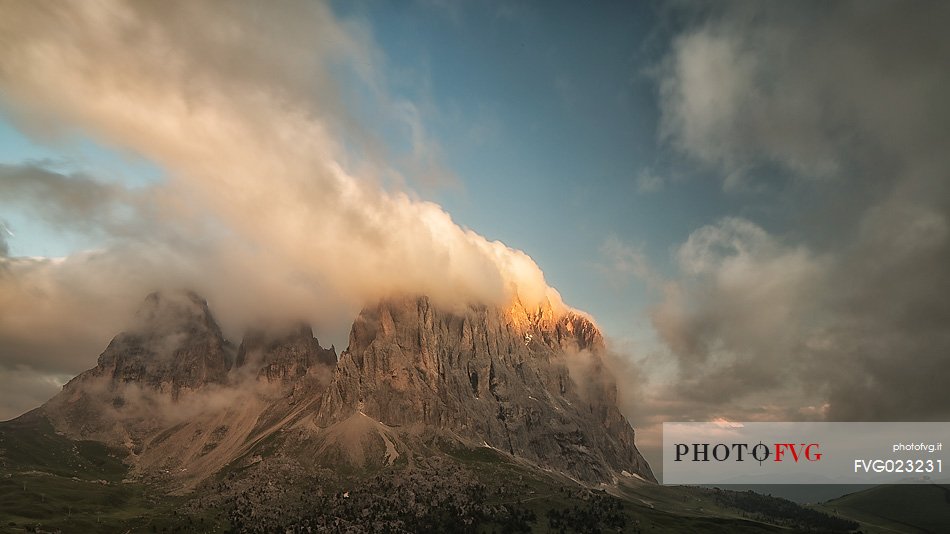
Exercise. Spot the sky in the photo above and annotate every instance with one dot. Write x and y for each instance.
(750, 198)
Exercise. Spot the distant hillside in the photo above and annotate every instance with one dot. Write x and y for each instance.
(896, 508)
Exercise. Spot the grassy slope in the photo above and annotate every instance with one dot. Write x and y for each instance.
(50, 481)
(646, 507)
(896, 508)
(30, 443)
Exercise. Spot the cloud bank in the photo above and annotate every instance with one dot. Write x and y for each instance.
(277, 199)
(839, 111)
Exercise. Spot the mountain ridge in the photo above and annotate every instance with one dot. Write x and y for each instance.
(466, 419)
(185, 402)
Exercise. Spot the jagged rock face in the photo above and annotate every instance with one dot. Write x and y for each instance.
(527, 382)
(167, 391)
(283, 357)
(176, 344)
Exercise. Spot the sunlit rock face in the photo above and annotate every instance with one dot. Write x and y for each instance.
(529, 382)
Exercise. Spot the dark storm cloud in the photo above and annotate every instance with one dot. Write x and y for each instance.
(890, 342)
(73, 202)
(815, 87)
(848, 318)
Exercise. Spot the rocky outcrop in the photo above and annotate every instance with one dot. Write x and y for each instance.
(173, 347)
(175, 344)
(528, 382)
(286, 363)
(283, 357)
(172, 391)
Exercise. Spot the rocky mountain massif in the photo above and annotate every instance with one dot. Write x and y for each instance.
(526, 382)
(470, 419)
(185, 403)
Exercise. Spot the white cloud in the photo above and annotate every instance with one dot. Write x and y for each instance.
(274, 202)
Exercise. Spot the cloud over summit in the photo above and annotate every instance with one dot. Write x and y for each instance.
(803, 205)
(277, 198)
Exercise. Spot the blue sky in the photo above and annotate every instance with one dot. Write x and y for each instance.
(68, 153)
(547, 119)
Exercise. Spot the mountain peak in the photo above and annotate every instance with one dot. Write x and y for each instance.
(174, 343)
(528, 382)
(165, 312)
(283, 354)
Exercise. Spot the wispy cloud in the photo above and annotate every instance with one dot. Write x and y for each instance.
(649, 182)
(623, 263)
